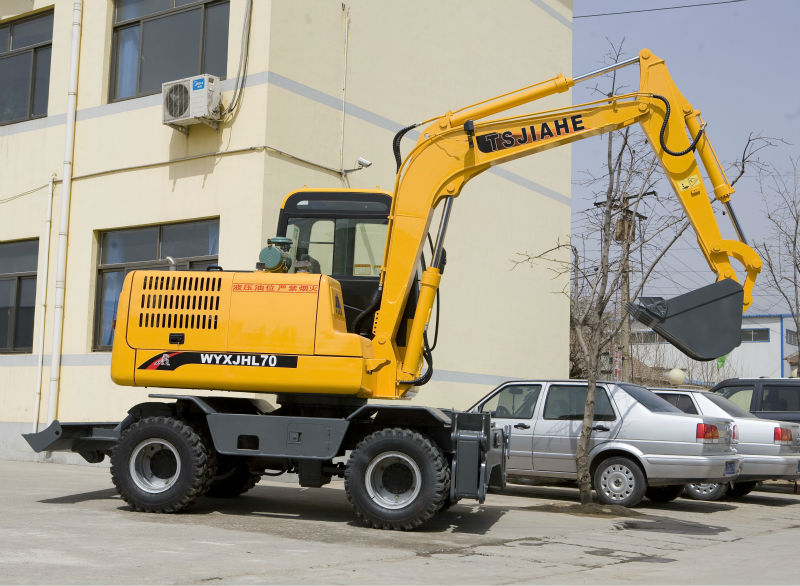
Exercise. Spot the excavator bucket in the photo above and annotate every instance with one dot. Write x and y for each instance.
(703, 324)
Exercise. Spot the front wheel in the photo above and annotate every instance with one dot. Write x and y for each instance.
(396, 479)
(664, 494)
(706, 491)
(161, 465)
(619, 481)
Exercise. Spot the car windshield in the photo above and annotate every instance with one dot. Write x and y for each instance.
(649, 399)
(729, 407)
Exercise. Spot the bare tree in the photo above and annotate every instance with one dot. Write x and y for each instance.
(779, 251)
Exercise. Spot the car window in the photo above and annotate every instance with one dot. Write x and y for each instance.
(568, 402)
(649, 399)
(742, 395)
(728, 406)
(780, 398)
(513, 401)
(681, 401)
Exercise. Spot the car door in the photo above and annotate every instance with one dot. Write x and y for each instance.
(558, 427)
(513, 405)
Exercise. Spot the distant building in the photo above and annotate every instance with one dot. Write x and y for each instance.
(769, 344)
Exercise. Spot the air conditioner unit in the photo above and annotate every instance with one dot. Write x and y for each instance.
(191, 100)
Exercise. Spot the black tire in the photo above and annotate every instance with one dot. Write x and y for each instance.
(664, 494)
(706, 491)
(161, 465)
(232, 479)
(740, 489)
(396, 479)
(619, 481)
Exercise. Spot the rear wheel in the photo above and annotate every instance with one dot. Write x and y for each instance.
(663, 494)
(619, 481)
(396, 479)
(706, 491)
(161, 465)
(232, 479)
(740, 489)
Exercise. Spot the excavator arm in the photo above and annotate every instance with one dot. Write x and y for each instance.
(458, 146)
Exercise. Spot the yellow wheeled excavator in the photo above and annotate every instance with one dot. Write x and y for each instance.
(326, 326)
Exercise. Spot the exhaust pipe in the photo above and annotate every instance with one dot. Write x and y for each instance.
(703, 324)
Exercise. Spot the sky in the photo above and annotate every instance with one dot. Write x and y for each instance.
(737, 63)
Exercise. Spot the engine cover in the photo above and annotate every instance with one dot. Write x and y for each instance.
(237, 331)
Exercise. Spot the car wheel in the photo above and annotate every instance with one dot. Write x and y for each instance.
(740, 489)
(396, 479)
(663, 494)
(705, 491)
(619, 481)
(161, 465)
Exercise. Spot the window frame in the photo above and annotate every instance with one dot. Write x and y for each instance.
(34, 50)
(791, 337)
(16, 278)
(751, 332)
(139, 21)
(183, 263)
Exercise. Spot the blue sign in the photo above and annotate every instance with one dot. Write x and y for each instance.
(198, 84)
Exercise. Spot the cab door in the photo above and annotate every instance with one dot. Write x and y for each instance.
(513, 405)
(555, 436)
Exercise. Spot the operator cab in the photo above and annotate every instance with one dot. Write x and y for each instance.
(341, 234)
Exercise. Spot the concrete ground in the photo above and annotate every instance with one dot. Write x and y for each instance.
(67, 525)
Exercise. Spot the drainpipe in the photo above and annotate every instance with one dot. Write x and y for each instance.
(43, 309)
(63, 227)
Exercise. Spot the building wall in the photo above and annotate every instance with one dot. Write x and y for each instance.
(390, 64)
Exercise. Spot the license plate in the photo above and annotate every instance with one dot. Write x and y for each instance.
(730, 468)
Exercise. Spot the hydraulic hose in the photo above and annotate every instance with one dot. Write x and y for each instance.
(373, 305)
(396, 144)
(664, 128)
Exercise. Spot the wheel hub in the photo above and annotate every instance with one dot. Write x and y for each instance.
(393, 480)
(617, 482)
(155, 465)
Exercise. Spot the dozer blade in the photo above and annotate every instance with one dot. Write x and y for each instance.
(703, 324)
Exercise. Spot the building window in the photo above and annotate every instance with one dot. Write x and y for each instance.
(162, 40)
(791, 337)
(755, 335)
(190, 245)
(25, 48)
(645, 338)
(17, 294)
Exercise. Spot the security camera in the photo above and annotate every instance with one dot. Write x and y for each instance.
(362, 162)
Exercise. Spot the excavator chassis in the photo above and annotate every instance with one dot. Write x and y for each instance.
(302, 437)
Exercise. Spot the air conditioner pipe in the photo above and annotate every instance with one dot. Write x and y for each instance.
(63, 225)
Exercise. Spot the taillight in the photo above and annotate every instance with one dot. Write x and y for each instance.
(783, 435)
(707, 431)
(734, 433)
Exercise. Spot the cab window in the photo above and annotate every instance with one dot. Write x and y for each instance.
(568, 402)
(339, 247)
(514, 401)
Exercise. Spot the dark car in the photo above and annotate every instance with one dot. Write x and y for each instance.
(768, 398)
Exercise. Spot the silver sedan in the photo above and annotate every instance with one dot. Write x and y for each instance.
(771, 449)
(640, 444)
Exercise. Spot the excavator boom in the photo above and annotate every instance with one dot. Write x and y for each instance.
(458, 146)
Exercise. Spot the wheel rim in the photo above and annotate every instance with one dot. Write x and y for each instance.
(393, 480)
(617, 482)
(704, 488)
(155, 465)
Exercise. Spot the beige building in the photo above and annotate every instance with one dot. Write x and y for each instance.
(326, 82)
